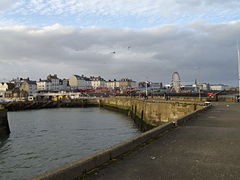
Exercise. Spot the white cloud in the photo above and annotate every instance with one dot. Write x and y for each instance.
(121, 7)
(5, 4)
(154, 52)
(118, 13)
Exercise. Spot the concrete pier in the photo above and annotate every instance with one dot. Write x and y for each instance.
(4, 126)
(205, 148)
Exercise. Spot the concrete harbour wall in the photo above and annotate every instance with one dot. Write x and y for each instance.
(4, 126)
(181, 98)
(153, 112)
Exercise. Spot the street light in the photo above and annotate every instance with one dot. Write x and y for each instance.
(146, 89)
(238, 54)
(199, 94)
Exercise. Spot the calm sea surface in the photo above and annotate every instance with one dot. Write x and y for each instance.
(44, 139)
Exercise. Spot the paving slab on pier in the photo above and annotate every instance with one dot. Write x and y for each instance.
(207, 147)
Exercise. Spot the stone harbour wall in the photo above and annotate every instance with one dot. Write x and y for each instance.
(153, 112)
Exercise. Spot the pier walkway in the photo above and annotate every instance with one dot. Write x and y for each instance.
(207, 147)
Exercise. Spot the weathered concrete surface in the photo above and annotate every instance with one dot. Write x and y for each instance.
(79, 168)
(180, 98)
(207, 147)
(154, 112)
(4, 126)
(227, 98)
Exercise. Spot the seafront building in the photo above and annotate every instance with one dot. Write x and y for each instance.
(112, 84)
(219, 87)
(124, 83)
(97, 82)
(55, 82)
(78, 82)
(22, 88)
(202, 86)
(5, 87)
(29, 86)
(83, 82)
(52, 84)
(44, 85)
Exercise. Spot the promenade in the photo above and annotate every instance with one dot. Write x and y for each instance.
(207, 147)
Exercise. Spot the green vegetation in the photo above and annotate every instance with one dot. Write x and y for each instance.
(117, 106)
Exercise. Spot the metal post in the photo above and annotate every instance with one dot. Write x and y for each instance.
(146, 90)
(199, 94)
(238, 72)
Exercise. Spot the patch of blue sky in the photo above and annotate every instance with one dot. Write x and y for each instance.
(39, 20)
(129, 21)
(135, 21)
(222, 18)
(88, 19)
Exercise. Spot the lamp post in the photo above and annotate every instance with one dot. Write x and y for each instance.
(238, 54)
(146, 89)
(199, 94)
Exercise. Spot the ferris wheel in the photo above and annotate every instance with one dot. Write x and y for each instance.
(176, 82)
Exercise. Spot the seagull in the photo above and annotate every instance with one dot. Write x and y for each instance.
(129, 47)
(114, 52)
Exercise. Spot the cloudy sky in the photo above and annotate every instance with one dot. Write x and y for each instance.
(150, 38)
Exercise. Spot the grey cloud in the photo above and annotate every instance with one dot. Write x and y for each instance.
(5, 4)
(198, 50)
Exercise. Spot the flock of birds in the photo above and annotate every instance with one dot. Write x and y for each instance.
(114, 52)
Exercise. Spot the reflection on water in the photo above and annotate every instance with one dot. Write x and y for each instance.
(44, 139)
(3, 140)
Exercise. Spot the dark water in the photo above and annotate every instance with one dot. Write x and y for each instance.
(45, 139)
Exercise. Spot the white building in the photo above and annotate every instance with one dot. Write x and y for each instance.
(53, 83)
(219, 87)
(112, 84)
(202, 86)
(97, 82)
(78, 82)
(44, 85)
(4, 87)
